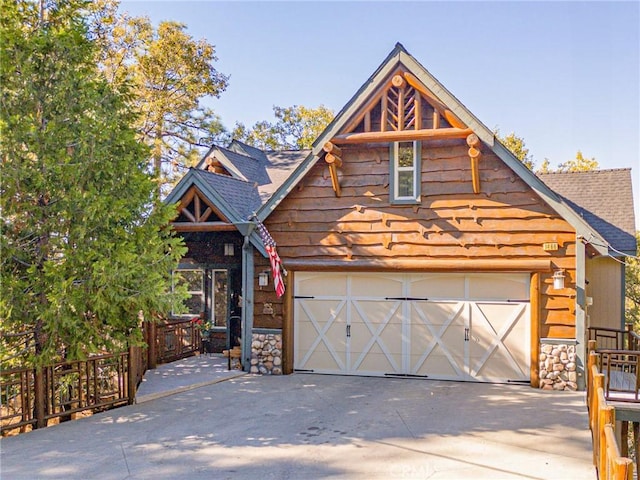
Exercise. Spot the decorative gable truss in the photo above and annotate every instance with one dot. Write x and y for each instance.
(402, 109)
(197, 213)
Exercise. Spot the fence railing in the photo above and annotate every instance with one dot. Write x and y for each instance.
(177, 339)
(614, 339)
(31, 397)
(609, 462)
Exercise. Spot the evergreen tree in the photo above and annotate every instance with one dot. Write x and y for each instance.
(170, 74)
(85, 242)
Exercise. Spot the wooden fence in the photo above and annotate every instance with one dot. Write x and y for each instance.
(614, 339)
(176, 339)
(32, 397)
(609, 462)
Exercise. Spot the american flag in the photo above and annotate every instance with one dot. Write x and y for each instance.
(274, 258)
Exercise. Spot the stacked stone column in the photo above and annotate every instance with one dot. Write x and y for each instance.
(266, 353)
(558, 367)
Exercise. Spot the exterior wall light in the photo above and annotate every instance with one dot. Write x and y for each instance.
(558, 280)
(228, 250)
(263, 279)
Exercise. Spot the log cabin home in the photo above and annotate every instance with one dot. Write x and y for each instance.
(415, 245)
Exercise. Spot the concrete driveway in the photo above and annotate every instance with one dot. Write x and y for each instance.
(313, 426)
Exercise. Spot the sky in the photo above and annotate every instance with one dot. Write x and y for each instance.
(564, 76)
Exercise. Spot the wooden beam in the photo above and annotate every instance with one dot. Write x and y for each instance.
(367, 121)
(186, 199)
(415, 265)
(383, 112)
(401, 136)
(474, 155)
(196, 208)
(203, 227)
(417, 99)
(453, 120)
(374, 99)
(436, 118)
(333, 149)
(333, 160)
(334, 179)
(207, 213)
(435, 102)
(188, 214)
(534, 298)
(288, 325)
(473, 140)
(397, 81)
(400, 108)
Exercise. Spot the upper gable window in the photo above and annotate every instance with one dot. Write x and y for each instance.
(405, 172)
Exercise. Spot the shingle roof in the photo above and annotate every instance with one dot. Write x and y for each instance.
(281, 165)
(266, 170)
(252, 168)
(238, 146)
(242, 196)
(603, 198)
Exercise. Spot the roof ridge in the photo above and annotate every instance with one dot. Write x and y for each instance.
(238, 153)
(207, 172)
(287, 150)
(599, 170)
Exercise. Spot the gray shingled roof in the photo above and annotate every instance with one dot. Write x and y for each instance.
(603, 198)
(252, 168)
(238, 146)
(268, 170)
(281, 165)
(242, 196)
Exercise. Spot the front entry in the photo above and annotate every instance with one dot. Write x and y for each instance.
(445, 326)
(213, 294)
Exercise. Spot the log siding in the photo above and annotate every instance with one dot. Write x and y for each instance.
(506, 220)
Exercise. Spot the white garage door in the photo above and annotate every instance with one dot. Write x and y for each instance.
(444, 326)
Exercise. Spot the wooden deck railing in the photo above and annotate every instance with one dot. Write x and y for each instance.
(31, 397)
(614, 339)
(609, 462)
(177, 339)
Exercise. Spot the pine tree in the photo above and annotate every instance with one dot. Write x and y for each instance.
(85, 242)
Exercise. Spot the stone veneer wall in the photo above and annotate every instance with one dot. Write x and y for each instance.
(266, 353)
(558, 367)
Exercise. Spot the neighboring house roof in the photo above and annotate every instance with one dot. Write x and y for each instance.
(604, 199)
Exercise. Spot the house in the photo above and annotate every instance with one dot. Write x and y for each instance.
(416, 245)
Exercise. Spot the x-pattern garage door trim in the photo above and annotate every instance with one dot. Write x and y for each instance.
(498, 337)
(437, 337)
(323, 331)
(375, 335)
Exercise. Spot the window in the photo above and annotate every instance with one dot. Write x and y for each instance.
(405, 171)
(193, 281)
